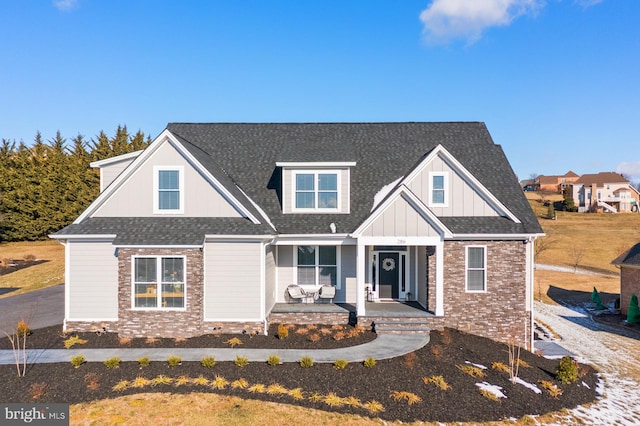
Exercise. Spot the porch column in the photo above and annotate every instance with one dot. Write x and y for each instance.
(361, 262)
(440, 279)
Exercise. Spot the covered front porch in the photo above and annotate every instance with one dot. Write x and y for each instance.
(381, 316)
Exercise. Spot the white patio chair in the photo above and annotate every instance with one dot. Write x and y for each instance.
(327, 292)
(296, 293)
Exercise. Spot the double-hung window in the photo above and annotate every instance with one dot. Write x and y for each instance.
(476, 268)
(316, 190)
(317, 265)
(168, 197)
(158, 282)
(439, 188)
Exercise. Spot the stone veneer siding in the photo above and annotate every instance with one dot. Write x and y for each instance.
(161, 323)
(629, 284)
(500, 313)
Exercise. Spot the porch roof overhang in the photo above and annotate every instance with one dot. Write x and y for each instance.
(314, 239)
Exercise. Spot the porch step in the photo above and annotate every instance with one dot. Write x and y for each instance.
(398, 325)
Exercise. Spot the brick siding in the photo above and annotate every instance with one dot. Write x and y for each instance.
(629, 284)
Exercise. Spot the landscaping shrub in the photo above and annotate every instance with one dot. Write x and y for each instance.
(567, 370)
(340, 364)
(273, 360)
(78, 360)
(74, 340)
(113, 362)
(144, 361)
(233, 342)
(283, 331)
(241, 361)
(306, 362)
(174, 361)
(208, 361)
(633, 314)
(369, 362)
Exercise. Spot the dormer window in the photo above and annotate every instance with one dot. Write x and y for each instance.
(316, 190)
(168, 196)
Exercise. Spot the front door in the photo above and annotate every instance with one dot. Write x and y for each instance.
(388, 275)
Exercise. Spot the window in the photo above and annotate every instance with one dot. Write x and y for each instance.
(317, 265)
(158, 282)
(439, 183)
(168, 190)
(476, 268)
(316, 190)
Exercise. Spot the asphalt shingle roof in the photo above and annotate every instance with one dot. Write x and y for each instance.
(629, 257)
(163, 231)
(243, 157)
(383, 152)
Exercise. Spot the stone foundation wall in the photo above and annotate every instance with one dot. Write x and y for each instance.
(629, 284)
(90, 326)
(219, 327)
(309, 318)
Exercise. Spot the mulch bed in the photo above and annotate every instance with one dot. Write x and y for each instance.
(300, 337)
(441, 357)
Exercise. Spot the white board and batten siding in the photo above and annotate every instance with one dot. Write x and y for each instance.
(135, 197)
(232, 281)
(463, 200)
(400, 219)
(93, 281)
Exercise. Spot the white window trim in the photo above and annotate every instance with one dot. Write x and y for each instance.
(445, 175)
(317, 277)
(158, 282)
(466, 269)
(316, 172)
(156, 188)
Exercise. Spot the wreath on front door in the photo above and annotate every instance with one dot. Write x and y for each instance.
(388, 264)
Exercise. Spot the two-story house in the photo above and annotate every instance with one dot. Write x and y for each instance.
(207, 228)
(605, 191)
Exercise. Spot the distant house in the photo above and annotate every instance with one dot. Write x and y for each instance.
(217, 227)
(605, 192)
(555, 183)
(629, 264)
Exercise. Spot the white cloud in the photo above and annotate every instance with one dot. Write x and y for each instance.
(630, 169)
(65, 4)
(445, 20)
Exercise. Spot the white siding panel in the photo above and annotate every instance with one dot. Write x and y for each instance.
(347, 292)
(135, 197)
(285, 271)
(110, 173)
(93, 286)
(270, 278)
(462, 199)
(232, 280)
(400, 219)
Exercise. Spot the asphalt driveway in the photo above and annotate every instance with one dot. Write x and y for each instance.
(40, 308)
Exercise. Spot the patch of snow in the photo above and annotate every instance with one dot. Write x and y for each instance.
(480, 366)
(494, 389)
(527, 384)
(384, 191)
(612, 352)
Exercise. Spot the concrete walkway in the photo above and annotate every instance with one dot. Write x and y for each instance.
(383, 347)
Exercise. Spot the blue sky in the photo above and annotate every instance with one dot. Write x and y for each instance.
(557, 82)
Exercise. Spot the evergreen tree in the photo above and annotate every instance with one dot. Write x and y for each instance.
(633, 314)
(46, 186)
